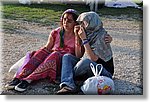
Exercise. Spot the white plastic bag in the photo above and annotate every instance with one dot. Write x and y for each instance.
(97, 85)
(17, 67)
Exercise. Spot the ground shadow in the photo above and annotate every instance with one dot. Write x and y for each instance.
(44, 87)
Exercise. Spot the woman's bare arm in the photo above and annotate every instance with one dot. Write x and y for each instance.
(79, 49)
(49, 43)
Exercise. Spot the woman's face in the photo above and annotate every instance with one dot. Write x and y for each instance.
(68, 22)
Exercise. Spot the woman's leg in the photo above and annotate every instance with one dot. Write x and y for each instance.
(67, 73)
(47, 68)
(33, 63)
(30, 67)
(83, 68)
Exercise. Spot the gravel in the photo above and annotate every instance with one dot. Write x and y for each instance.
(127, 49)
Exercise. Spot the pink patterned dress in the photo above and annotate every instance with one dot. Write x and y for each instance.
(47, 64)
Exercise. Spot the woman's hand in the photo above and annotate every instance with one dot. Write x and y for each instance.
(77, 38)
(76, 29)
(108, 38)
(78, 48)
(82, 33)
(79, 31)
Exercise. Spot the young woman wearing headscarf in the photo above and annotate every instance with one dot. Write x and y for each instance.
(92, 48)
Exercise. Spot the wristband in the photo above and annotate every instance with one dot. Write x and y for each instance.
(85, 41)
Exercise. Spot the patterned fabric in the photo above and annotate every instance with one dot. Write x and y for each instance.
(33, 63)
(48, 68)
(47, 64)
(95, 34)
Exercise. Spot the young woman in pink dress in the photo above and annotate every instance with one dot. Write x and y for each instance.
(46, 62)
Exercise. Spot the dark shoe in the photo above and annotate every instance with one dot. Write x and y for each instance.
(66, 90)
(22, 86)
(12, 84)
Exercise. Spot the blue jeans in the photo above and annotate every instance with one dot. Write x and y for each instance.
(73, 67)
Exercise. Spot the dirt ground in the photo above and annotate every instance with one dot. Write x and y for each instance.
(127, 49)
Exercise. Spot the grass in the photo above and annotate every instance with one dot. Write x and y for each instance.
(49, 13)
(32, 13)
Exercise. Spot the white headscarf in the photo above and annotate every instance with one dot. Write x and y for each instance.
(95, 33)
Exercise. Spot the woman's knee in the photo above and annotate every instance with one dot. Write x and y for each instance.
(55, 53)
(83, 64)
(67, 56)
(86, 61)
(53, 56)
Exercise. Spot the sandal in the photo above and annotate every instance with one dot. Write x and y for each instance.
(66, 90)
